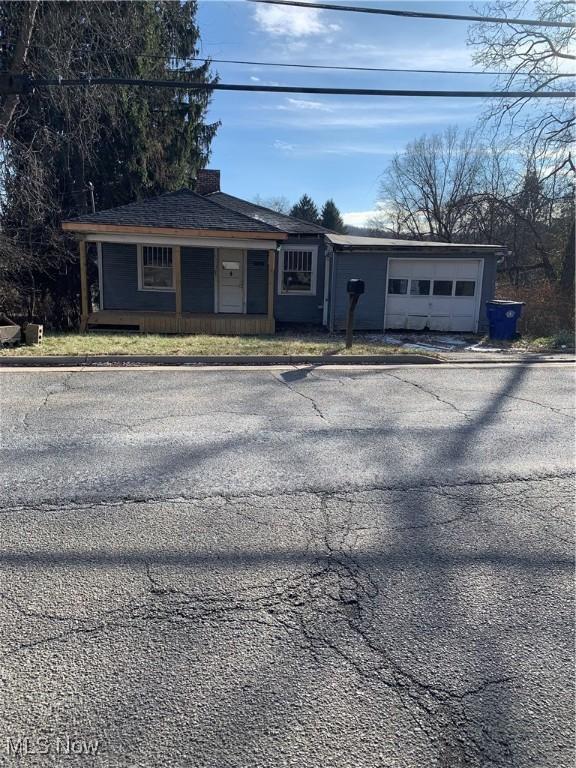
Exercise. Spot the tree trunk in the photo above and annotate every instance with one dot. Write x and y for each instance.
(568, 265)
(18, 61)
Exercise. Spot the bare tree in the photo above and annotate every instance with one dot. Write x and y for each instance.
(278, 203)
(534, 58)
(427, 189)
(452, 187)
(18, 60)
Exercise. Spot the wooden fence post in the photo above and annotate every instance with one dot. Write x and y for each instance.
(83, 287)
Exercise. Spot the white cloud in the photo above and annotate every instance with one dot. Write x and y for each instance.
(304, 104)
(343, 150)
(364, 218)
(283, 146)
(292, 21)
(254, 79)
(366, 113)
(356, 149)
(359, 218)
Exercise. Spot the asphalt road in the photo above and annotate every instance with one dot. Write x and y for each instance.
(227, 569)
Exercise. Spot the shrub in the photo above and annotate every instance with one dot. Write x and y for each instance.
(563, 338)
(547, 312)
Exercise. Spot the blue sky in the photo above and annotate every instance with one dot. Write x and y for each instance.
(329, 146)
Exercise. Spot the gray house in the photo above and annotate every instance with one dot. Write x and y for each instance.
(204, 261)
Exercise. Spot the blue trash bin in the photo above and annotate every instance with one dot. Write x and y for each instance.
(502, 318)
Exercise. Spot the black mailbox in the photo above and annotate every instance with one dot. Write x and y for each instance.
(355, 287)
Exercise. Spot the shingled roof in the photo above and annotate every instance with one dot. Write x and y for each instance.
(259, 213)
(183, 209)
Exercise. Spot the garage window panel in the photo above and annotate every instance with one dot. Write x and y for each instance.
(465, 288)
(442, 288)
(398, 286)
(419, 287)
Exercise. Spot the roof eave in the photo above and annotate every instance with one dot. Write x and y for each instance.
(92, 228)
(357, 246)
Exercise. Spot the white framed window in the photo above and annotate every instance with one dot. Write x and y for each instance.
(297, 266)
(155, 268)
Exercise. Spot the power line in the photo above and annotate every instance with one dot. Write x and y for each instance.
(24, 83)
(370, 69)
(278, 64)
(421, 14)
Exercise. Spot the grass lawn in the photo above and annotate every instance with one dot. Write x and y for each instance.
(156, 344)
(283, 343)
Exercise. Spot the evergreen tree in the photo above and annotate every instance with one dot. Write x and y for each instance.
(130, 142)
(331, 218)
(305, 209)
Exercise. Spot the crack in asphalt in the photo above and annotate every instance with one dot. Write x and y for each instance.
(535, 402)
(328, 609)
(63, 386)
(442, 707)
(49, 505)
(428, 392)
(166, 417)
(300, 394)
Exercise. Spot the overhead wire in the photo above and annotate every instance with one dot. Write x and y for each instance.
(422, 14)
(281, 64)
(206, 87)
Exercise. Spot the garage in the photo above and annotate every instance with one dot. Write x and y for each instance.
(433, 294)
(410, 285)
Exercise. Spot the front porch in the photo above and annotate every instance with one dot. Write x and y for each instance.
(170, 322)
(196, 282)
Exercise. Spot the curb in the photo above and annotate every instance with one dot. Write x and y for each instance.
(199, 360)
(49, 361)
(456, 358)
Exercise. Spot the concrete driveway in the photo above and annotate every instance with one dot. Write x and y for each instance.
(266, 568)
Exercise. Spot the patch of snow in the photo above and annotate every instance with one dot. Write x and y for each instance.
(480, 348)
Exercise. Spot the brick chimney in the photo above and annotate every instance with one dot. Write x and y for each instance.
(207, 181)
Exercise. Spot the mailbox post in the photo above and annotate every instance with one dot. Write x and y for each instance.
(355, 289)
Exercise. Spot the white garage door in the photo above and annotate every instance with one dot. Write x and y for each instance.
(441, 295)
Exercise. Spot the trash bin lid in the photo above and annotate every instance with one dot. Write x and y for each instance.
(506, 302)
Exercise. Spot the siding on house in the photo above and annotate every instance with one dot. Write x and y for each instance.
(372, 268)
(120, 282)
(257, 282)
(197, 280)
(302, 309)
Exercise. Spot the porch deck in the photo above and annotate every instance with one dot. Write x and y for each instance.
(170, 322)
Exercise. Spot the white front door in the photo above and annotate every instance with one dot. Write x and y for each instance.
(231, 269)
(438, 294)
